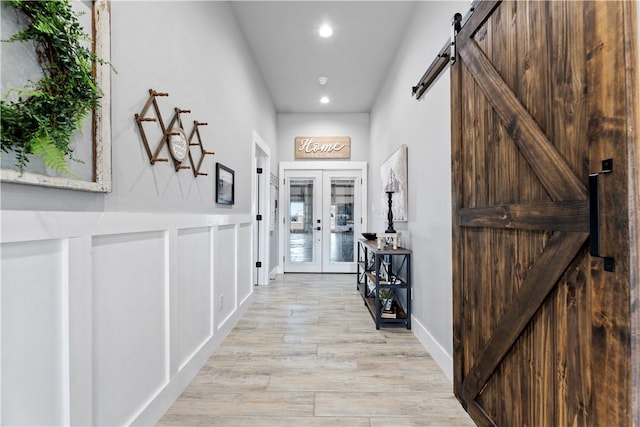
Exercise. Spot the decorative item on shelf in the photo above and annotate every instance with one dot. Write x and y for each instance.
(387, 239)
(390, 313)
(388, 310)
(369, 236)
(390, 236)
(173, 134)
(384, 271)
(371, 288)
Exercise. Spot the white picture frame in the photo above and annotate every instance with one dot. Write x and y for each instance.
(100, 134)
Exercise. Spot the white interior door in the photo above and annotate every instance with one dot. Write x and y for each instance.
(303, 221)
(322, 220)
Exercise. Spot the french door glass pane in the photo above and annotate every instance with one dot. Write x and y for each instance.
(342, 225)
(301, 214)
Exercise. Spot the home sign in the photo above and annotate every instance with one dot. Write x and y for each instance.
(322, 147)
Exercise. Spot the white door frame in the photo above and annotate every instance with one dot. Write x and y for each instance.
(325, 166)
(260, 158)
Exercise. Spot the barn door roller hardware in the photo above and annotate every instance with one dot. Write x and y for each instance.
(456, 26)
(446, 56)
(594, 215)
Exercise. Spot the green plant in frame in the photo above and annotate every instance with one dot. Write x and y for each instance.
(47, 113)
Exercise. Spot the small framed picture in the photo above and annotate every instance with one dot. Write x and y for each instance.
(224, 185)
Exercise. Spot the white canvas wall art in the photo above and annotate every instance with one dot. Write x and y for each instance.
(393, 174)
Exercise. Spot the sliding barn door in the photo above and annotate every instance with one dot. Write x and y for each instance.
(539, 99)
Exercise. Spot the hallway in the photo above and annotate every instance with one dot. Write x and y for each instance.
(307, 354)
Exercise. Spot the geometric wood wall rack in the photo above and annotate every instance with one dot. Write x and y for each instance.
(173, 135)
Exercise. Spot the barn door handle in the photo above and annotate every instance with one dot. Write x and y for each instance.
(594, 215)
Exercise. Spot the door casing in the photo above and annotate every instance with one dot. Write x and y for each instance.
(261, 157)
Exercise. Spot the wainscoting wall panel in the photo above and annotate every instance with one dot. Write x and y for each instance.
(195, 292)
(129, 323)
(245, 264)
(33, 360)
(225, 274)
(106, 317)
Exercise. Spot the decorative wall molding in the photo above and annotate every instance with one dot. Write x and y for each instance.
(118, 309)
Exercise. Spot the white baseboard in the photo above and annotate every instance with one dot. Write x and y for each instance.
(437, 352)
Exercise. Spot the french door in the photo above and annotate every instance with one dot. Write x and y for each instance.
(322, 220)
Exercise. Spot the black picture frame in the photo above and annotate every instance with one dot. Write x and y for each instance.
(225, 185)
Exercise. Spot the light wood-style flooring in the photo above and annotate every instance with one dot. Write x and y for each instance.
(307, 354)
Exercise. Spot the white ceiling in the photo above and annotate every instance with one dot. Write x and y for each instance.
(283, 38)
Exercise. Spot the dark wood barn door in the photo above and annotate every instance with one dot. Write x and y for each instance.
(540, 97)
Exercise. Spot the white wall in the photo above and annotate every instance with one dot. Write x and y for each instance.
(194, 51)
(110, 303)
(424, 127)
(355, 126)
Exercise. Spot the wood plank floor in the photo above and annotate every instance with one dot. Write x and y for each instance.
(307, 354)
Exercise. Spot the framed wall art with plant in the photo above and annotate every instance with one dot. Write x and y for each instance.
(55, 94)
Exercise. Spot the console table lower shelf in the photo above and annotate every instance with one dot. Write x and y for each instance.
(396, 314)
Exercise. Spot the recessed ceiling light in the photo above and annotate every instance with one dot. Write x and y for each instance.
(324, 100)
(322, 80)
(325, 31)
